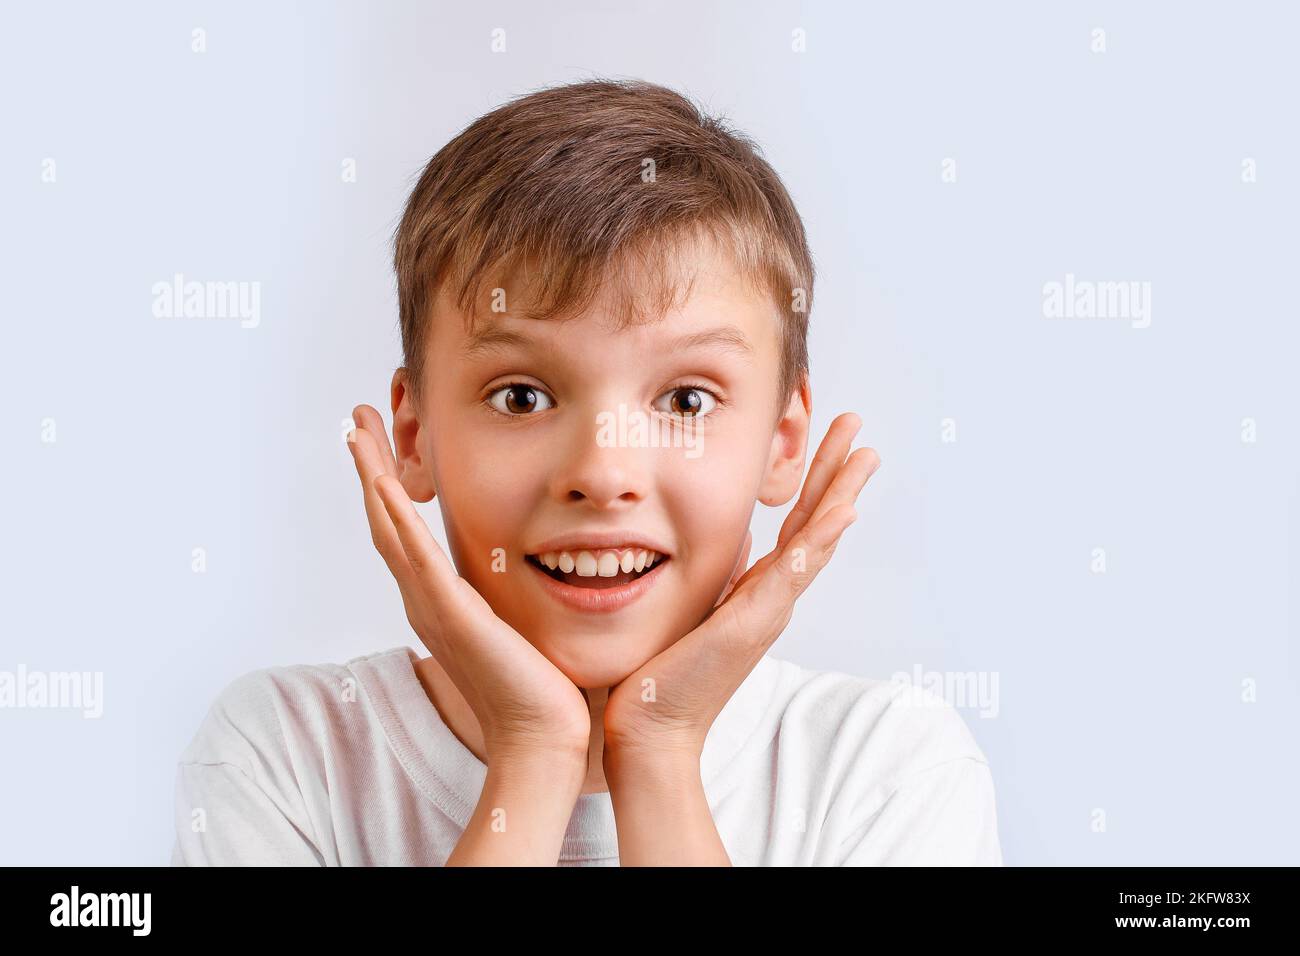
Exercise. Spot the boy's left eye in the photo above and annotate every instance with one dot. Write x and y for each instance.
(688, 402)
(519, 398)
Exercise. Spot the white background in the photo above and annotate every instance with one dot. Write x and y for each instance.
(1119, 692)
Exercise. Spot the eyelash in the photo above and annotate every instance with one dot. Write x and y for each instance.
(719, 402)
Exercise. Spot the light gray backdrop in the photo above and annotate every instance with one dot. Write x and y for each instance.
(1094, 520)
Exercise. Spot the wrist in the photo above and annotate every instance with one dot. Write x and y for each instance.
(522, 813)
(554, 767)
(672, 764)
(536, 750)
(534, 789)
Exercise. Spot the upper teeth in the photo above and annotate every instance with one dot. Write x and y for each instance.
(606, 563)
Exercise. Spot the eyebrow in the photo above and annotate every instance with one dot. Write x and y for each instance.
(494, 338)
(726, 337)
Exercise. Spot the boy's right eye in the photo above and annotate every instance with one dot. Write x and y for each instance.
(519, 399)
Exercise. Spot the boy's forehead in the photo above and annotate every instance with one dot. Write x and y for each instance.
(712, 304)
(507, 334)
(742, 325)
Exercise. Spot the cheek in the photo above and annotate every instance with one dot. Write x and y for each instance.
(712, 503)
(484, 499)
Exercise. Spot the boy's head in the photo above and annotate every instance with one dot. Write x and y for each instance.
(604, 299)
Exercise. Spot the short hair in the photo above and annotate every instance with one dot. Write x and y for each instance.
(573, 183)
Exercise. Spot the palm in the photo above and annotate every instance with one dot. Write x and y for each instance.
(517, 694)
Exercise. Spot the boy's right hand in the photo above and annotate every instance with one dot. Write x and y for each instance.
(525, 705)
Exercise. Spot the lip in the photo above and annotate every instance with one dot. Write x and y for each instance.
(596, 540)
(598, 600)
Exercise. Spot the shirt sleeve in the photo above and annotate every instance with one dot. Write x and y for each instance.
(945, 815)
(223, 818)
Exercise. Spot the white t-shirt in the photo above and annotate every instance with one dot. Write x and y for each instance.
(351, 765)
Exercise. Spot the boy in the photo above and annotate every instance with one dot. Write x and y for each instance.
(598, 690)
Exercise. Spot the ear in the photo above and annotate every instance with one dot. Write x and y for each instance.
(410, 442)
(789, 446)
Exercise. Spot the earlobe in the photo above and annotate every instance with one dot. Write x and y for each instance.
(412, 469)
(789, 446)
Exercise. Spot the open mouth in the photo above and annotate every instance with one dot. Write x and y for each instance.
(598, 569)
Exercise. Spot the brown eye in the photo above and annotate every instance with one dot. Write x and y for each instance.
(519, 399)
(690, 402)
(686, 401)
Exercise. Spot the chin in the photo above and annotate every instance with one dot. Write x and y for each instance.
(596, 661)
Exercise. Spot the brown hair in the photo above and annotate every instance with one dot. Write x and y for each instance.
(573, 183)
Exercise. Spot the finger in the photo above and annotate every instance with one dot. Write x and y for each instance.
(849, 482)
(422, 552)
(367, 417)
(765, 595)
(826, 463)
(760, 612)
(383, 534)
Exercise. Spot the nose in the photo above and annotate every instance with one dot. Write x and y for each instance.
(602, 473)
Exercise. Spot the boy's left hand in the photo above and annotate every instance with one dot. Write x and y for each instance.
(694, 678)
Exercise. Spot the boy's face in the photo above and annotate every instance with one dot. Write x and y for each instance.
(515, 469)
